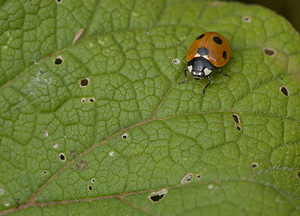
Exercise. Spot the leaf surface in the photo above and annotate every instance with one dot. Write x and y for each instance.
(94, 122)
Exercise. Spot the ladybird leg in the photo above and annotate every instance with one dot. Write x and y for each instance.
(203, 90)
(186, 76)
(224, 74)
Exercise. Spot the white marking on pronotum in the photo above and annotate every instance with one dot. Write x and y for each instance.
(190, 68)
(205, 56)
(78, 35)
(207, 71)
(197, 55)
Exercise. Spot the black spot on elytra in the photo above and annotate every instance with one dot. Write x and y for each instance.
(217, 40)
(200, 36)
(224, 55)
(202, 51)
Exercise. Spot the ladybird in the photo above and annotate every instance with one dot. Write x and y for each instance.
(210, 51)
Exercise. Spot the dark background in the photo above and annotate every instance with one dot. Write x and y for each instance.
(290, 9)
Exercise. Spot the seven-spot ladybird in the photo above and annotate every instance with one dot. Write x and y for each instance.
(208, 52)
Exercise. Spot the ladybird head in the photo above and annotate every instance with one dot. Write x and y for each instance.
(200, 67)
(198, 74)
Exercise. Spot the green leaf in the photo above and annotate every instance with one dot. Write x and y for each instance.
(94, 122)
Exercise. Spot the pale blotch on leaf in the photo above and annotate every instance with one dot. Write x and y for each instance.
(111, 153)
(1, 191)
(58, 60)
(55, 145)
(91, 45)
(81, 165)
(46, 133)
(124, 136)
(187, 178)
(100, 42)
(210, 186)
(84, 82)
(176, 61)
(254, 165)
(157, 196)
(62, 157)
(215, 4)
(246, 19)
(269, 51)
(78, 35)
(284, 91)
(6, 203)
(73, 153)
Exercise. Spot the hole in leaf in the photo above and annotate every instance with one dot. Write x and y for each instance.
(299, 174)
(186, 179)
(62, 156)
(81, 165)
(45, 171)
(269, 51)
(238, 128)
(124, 136)
(58, 60)
(254, 165)
(198, 176)
(58, 1)
(157, 196)
(246, 19)
(93, 180)
(92, 100)
(83, 100)
(176, 61)
(45, 133)
(284, 91)
(84, 82)
(90, 187)
(236, 118)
